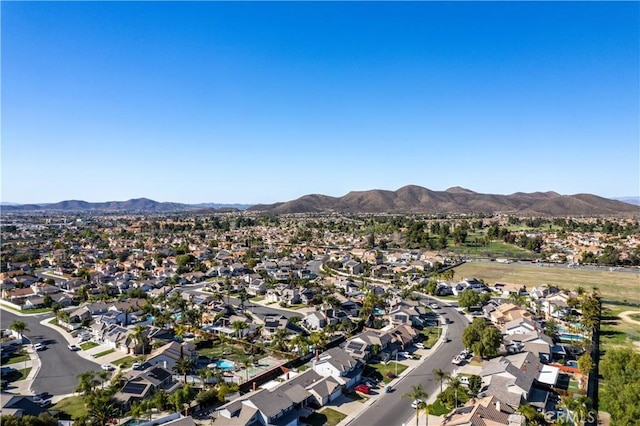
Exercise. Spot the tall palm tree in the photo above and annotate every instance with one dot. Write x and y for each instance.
(184, 366)
(86, 383)
(417, 393)
(441, 376)
(455, 386)
(19, 327)
(238, 326)
(103, 376)
(139, 334)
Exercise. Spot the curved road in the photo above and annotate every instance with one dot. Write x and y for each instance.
(393, 410)
(59, 366)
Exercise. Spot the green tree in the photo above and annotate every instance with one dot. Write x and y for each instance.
(238, 327)
(86, 383)
(475, 383)
(417, 393)
(551, 329)
(184, 366)
(620, 368)
(585, 364)
(468, 298)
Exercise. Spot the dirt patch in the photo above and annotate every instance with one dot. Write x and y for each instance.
(625, 316)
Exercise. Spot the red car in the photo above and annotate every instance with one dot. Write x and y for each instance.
(363, 388)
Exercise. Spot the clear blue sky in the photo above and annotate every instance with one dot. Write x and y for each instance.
(263, 102)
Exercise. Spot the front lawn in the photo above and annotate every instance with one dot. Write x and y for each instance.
(126, 361)
(431, 336)
(18, 356)
(107, 352)
(383, 372)
(88, 345)
(438, 408)
(355, 396)
(326, 417)
(73, 406)
(23, 373)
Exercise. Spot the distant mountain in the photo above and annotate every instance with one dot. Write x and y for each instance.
(416, 199)
(629, 200)
(143, 205)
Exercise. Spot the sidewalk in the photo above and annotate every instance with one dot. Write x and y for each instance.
(353, 411)
(23, 387)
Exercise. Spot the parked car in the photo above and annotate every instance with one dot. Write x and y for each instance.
(39, 347)
(136, 365)
(419, 345)
(404, 354)
(108, 367)
(363, 388)
(457, 360)
(464, 379)
(434, 306)
(73, 347)
(416, 402)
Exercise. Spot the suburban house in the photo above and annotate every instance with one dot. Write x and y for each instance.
(340, 365)
(487, 411)
(169, 354)
(144, 385)
(282, 405)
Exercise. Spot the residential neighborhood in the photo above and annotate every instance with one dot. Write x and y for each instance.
(262, 320)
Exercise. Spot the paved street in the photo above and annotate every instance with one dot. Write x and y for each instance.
(393, 410)
(59, 366)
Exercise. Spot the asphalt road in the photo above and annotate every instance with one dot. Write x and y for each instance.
(392, 409)
(262, 310)
(59, 366)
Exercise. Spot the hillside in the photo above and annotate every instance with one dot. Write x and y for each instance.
(416, 199)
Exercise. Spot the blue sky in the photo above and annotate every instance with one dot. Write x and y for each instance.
(261, 102)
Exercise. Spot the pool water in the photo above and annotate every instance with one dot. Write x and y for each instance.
(572, 364)
(567, 336)
(223, 364)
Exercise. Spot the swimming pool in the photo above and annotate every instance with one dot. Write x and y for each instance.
(572, 364)
(567, 336)
(224, 364)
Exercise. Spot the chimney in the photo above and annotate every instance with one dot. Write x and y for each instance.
(498, 405)
(254, 386)
(287, 375)
(164, 364)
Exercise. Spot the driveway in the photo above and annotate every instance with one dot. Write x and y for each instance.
(59, 367)
(393, 410)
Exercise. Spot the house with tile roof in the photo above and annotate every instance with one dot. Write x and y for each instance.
(488, 411)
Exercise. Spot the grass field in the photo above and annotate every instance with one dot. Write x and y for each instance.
(493, 249)
(88, 345)
(431, 335)
(618, 286)
(107, 352)
(615, 333)
(73, 406)
(382, 370)
(18, 356)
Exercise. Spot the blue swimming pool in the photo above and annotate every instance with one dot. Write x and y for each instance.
(224, 364)
(570, 337)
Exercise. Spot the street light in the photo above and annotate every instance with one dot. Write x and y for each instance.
(396, 363)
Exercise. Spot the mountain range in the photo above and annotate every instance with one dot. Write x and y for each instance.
(416, 199)
(408, 199)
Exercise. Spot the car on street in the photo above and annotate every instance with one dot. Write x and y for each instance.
(416, 403)
(434, 306)
(108, 367)
(39, 347)
(73, 348)
(457, 360)
(362, 388)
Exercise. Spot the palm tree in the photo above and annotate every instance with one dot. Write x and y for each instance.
(140, 337)
(161, 399)
(455, 386)
(19, 327)
(441, 376)
(86, 383)
(426, 410)
(238, 326)
(184, 366)
(102, 410)
(417, 393)
(103, 376)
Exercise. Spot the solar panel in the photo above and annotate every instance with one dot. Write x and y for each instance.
(134, 388)
(354, 345)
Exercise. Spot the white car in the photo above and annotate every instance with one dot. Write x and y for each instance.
(404, 354)
(419, 345)
(39, 347)
(73, 348)
(456, 360)
(464, 379)
(434, 306)
(415, 403)
(108, 367)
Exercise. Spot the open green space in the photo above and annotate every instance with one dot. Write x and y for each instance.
(256, 299)
(495, 249)
(88, 345)
(618, 286)
(614, 332)
(325, 417)
(73, 406)
(635, 317)
(24, 373)
(381, 371)
(107, 352)
(26, 311)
